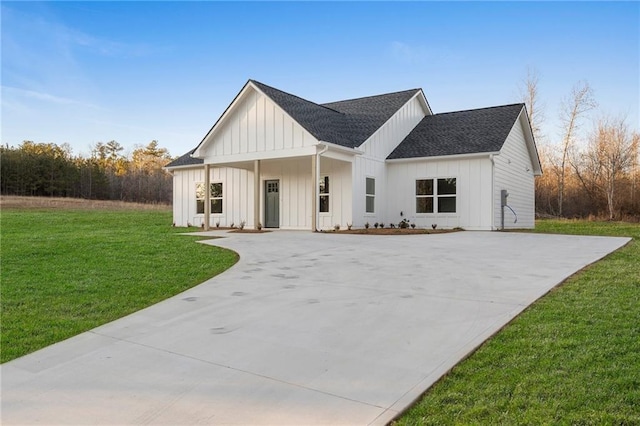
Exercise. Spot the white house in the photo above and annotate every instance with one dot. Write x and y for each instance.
(281, 161)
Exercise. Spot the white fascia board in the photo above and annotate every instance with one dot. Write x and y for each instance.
(264, 155)
(338, 152)
(425, 102)
(334, 147)
(197, 153)
(523, 118)
(443, 157)
(188, 166)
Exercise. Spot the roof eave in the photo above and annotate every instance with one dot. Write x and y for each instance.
(443, 157)
(531, 143)
(335, 147)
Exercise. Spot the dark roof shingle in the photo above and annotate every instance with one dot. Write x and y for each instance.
(347, 123)
(461, 132)
(185, 160)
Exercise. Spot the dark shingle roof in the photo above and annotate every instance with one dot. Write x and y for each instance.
(461, 132)
(185, 160)
(347, 123)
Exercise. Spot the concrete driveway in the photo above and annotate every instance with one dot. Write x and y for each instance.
(305, 329)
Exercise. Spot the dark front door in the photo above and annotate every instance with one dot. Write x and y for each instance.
(272, 204)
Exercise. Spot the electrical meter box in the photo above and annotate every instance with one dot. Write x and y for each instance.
(503, 197)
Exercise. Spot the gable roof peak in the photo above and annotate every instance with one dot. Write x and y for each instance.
(262, 86)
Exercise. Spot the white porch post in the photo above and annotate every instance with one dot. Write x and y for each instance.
(314, 193)
(207, 196)
(256, 194)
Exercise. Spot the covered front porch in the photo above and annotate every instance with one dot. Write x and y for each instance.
(306, 192)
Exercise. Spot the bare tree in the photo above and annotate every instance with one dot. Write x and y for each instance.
(612, 153)
(530, 97)
(579, 101)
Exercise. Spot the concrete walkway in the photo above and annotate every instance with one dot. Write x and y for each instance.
(305, 329)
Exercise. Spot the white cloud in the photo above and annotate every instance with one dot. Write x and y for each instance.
(12, 93)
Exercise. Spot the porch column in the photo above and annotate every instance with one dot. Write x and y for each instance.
(314, 193)
(207, 196)
(256, 194)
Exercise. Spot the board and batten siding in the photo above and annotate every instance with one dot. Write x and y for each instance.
(384, 140)
(340, 194)
(294, 176)
(364, 168)
(256, 125)
(371, 164)
(514, 172)
(237, 196)
(473, 192)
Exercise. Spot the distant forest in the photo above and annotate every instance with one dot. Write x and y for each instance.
(50, 170)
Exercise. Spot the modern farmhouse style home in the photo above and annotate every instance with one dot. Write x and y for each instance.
(279, 161)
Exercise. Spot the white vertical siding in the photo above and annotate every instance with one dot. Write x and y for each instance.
(389, 136)
(372, 163)
(514, 172)
(473, 187)
(362, 169)
(295, 190)
(257, 124)
(237, 202)
(340, 194)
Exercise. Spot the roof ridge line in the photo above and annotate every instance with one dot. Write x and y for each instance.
(372, 96)
(296, 96)
(478, 109)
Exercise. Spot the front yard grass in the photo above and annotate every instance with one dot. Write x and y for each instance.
(68, 271)
(573, 357)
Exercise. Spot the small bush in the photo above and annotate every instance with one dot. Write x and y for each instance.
(366, 225)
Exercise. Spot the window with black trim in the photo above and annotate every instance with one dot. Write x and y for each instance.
(370, 191)
(324, 194)
(436, 195)
(216, 198)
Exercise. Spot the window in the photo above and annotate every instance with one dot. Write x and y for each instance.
(216, 198)
(447, 195)
(324, 194)
(424, 196)
(436, 195)
(370, 195)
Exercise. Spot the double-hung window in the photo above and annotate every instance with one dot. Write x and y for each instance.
(436, 195)
(215, 195)
(323, 190)
(370, 202)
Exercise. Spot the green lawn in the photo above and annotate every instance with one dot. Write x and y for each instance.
(571, 358)
(67, 271)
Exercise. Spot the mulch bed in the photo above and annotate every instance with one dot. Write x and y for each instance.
(394, 231)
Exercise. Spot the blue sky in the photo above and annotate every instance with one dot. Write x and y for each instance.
(84, 72)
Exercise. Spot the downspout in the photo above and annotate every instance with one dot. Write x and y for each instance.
(317, 183)
(493, 190)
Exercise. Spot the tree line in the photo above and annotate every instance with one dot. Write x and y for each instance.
(592, 167)
(50, 170)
